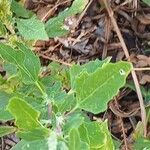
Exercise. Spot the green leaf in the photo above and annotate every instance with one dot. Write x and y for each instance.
(24, 59)
(52, 141)
(5, 11)
(31, 64)
(26, 117)
(96, 134)
(74, 140)
(65, 104)
(55, 26)
(19, 10)
(73, 121)
(89, 67)
(31, 145)
(95, 90)
(142, 144)
(62, 146)
(35, 134)
(32, 29)
(5, 130)
(147, 2)
(3, 30)
(4, 114)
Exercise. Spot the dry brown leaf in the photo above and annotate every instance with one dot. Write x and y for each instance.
(143, 61)
(144, 18)
(145, 79)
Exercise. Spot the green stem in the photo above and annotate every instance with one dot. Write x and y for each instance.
(39, 87)
(71, 111)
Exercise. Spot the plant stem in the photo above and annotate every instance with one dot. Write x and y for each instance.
(39, 87)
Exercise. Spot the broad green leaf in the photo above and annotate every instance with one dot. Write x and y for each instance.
(142, 144)
(147, 2)
(35, 134)
(95, 90)
(32, 29)
(74, 140)
(55, 26)
(24, 59)
(3, 30)
(73, 121)
(19, 10)
(11, 69)
(4, 114)
(31, 64)
(31, 145)
(89, 67)
(5, 130)
(65, 104)
(26, 117)
(96, 134)
(62, 146)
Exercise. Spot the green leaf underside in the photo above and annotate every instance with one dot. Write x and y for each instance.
(89, 67)
(95, 90)
(26, 117)
(142, 144)
(32, 29)
(74, 140)
(97, 135)
(36, 134)
(4, 114)
(19, 10)
(5, 130)
(55, 26)
(31, 145)
(24, 59)
(147, 2)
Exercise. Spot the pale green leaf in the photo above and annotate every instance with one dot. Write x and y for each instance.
(5, 130)
(55, 26)
(62, 146)
(95, 90)
(142, 144)
(89, 67)
(4, 114)
(147, 2)
(96, 134)
(65, 104)
(24, 59)
(35, 134)
(32, 29)
(26, 117)
(31, 145)
(74, 140)
(19, 10)
(3, 30)
(31, 64)
(52, 141)
(73, 121)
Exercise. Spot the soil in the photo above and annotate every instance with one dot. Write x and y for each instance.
(94, 36)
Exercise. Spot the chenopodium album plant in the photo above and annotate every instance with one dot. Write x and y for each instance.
(48, 117)
(49, 112)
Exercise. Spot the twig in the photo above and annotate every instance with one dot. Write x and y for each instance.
(122, 126)
(124, 47)
(51, 9)
(55, 60)
(142, 69)
(83, 13)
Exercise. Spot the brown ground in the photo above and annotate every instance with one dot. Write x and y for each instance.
(94, 36)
